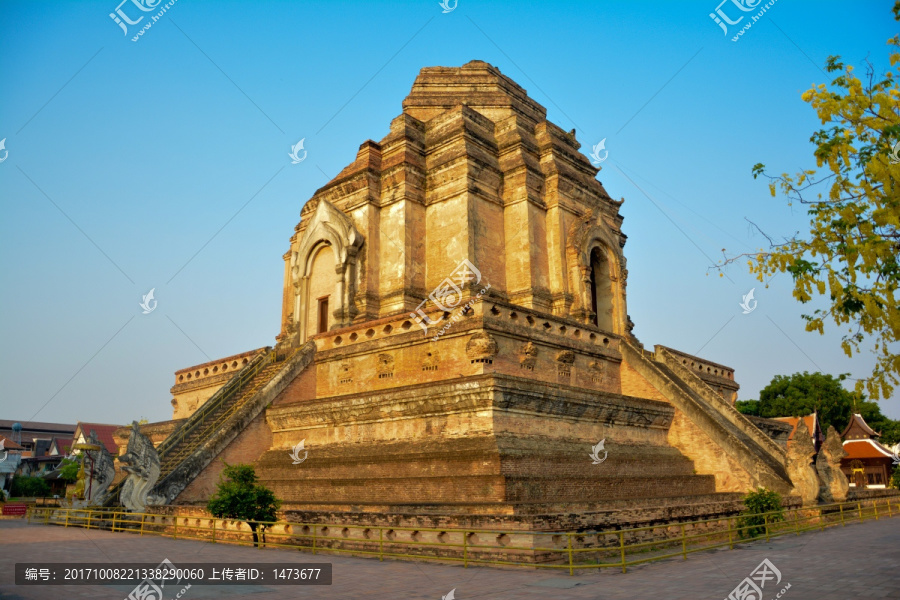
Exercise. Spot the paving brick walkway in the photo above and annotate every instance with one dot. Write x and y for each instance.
(859, 561)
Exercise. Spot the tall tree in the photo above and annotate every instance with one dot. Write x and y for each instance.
(850, 254)
(802, 393)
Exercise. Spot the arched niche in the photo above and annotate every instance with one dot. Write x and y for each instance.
(601, 290)
(330, 241)
(597, 275)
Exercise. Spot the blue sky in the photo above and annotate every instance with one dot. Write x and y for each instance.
(163, 163)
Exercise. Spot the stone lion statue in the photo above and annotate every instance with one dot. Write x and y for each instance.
(141, 462)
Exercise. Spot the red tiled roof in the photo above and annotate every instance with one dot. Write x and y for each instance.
(63, 444)
(8, 444)
(865, 449)
(810, 421)
(104, 433)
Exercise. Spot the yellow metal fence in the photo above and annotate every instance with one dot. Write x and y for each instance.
(568, 550)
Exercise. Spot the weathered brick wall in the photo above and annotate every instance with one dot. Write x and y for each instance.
(247, 447)
(708, 456)
(634, 384)
(480, 440)
(301, 389)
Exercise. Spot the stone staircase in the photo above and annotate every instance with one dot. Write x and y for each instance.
(185, 441)
(196, 443)
(762, 458)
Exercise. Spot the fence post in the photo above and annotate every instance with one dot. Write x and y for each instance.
(142, 522)
(571, 569)
(622, 548)
(381, 544)
(175, 528)
(796, 522)
(314, 538)
(214, 531)
(89, 519)
(114, 522)
(683, 544)
(859, 510)
(766, 524)
(875, 508)
(890, 513)
(730, 542)
(67, 518)
(842, 515)
(465, 549)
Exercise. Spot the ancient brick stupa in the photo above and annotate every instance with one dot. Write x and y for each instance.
(455, 342)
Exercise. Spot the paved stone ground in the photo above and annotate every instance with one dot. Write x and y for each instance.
(859, 561)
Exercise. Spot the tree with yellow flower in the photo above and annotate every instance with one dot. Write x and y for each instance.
(850, 255)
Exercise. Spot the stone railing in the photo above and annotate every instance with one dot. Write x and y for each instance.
(725, 408)
(216, 370)
(541, 325)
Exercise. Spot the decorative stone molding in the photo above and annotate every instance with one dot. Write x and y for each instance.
(528, 356)
(290, 327)
(385, 366)
(566, 357)
(481, 348)
(597, 368)
(345, 372)
(430, 362)
(494, 392)
(212, 372)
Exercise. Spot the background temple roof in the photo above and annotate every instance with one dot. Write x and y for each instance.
(104, 433)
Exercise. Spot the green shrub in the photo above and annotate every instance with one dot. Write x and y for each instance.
(239, 497)
(752, 522)
(895, 478)
(29, 487)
